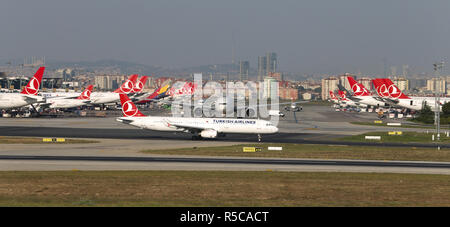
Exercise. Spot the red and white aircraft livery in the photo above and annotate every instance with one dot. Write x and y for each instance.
(343, 100)
(138, 89)
(113, 97)
(139, 85)
(179, 90)
(61, 102)
(392, 94)
(199, 127)
(380, 87)
(362, 95)
(187, 89)
(27, 96)
(333, 97)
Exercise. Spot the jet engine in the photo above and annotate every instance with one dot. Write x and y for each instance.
(208, 133)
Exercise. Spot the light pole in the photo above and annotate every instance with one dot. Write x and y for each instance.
(437, 67)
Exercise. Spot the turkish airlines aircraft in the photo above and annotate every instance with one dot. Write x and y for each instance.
(113, 97)
(60, 103)
(362, 95)
(334, 98)
(199, 127)
(139, 85)
(391, 93)
(27, 96)
(343, 100)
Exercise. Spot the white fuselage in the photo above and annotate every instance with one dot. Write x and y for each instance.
(60, 94)
(370, 101)
(416, 103)
(57, 103)
(104, 97)
(221, 125)
(350, 103)
(16, 100)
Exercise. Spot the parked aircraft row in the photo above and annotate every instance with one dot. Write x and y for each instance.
(30, 94)
(387, 94)
(199, 127)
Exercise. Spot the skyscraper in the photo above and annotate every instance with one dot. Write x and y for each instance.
(262, 66)
(271, 65)
(244, 69)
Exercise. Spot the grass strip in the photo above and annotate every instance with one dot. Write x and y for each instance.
(218, 188)
(318, 152)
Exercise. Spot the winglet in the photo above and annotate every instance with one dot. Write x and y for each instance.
(128, 107)
(33, 85)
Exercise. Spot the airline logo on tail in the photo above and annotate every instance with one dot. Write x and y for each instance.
(86, 94)
(380, 87)
(333, 96)
(128, 107)
(385, 88)
(187, 88)
(128, 86)
(139, 86)
(393, 90)
(342, 95)
(357, 88)
(33, 85)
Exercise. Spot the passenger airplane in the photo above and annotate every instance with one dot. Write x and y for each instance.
(362, 95)
(62, 102)
(199, 127)
(27, 96)
(334, 98)
(344, 100)
(156, 95)
(392, 94)
(113, 97)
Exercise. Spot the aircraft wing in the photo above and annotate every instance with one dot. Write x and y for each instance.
(126, 121)
(31, 100)
(355, 99)
(281, 103)
(390, 101)
(44, 105)
(186, 126)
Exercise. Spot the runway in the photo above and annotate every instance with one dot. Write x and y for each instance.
(123, 133)
(237, 164)
(235, 161)
(119, 146)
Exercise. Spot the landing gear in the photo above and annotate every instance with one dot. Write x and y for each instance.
(259, 137)
(196, 136)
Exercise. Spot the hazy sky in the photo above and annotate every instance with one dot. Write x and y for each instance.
(314, 36)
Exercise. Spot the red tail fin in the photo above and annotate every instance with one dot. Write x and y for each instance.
(333, 96)
(128, 107)
(380, 87)
(358, 89)
(33, 85)
(139, 86)
(393, 90)
(342, 95)
(128, 86)
(86, 94)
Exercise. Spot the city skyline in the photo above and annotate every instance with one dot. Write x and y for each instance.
(325, 37)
